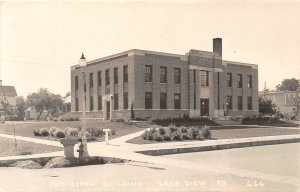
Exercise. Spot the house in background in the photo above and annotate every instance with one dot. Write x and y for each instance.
(32, 114)
(9, 94)
(288, 102)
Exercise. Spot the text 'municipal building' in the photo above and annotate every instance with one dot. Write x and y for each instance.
(162, 85)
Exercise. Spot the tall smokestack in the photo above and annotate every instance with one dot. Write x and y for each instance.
(217, 46)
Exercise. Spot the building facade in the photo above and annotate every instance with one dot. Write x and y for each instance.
(161, 85)
(287, 102)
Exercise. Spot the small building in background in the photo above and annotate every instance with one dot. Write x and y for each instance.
(9, 94)
(287, 102)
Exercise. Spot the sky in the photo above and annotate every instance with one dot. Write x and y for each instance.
(40, 41)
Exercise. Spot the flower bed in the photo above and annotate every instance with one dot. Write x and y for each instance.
(174, 133)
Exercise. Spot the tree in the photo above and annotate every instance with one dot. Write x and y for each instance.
(20, 108)
(44, 100)
(266, 106)
(288, 85)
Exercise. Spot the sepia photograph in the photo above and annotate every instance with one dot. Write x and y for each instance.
(150, 96)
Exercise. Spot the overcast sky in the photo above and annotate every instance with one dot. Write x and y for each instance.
(39, 41)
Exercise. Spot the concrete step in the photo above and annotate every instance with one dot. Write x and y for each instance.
(227, 122)
(142, 124)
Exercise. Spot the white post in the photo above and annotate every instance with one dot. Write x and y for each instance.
(83, 131)
(106, 136)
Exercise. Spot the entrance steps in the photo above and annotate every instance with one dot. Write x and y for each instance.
(142, 124)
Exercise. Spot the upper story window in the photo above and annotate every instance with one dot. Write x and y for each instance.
(116, 78)
(99, 78)
(249, 79)
(177, 76)
(229, 79)
(125, 73)
(204, 78)
(148, 73)
(239, 80)
(107, 79)
(91, 80)
(76, 83)
(163, 75)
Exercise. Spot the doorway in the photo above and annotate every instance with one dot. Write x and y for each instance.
(204, 107)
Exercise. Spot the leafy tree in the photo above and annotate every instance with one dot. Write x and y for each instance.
(266, 106)
(288, 85)
(20, 108)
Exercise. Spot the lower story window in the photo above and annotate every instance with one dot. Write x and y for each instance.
(99, 102)
(249, 103)
(148, 100)
(229, 102)
(91, 103)
(116, 101)
(240, 103)
(76, 104)
(177, 101)
(125, 100)
(163, 100)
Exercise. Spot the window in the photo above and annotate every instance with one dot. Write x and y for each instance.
(148, 73)
(76, 83)
(99, 102)
(249, 79)
(163, 100)
(204, 78)
(125, 73)
(99, 78)
(249, 103)
(240, 81)
(229, 79)
(91, 80)
(116, 101)
(148, 100)
(125, 100)
(116, 79)
(177, 76)
(163, 75)
(240, 103)
(229, 102)
(84, 87)
(91, 103)
(177, 101)
(107, 80)
(76, 104)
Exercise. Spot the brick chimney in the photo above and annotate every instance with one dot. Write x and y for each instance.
(217, 46)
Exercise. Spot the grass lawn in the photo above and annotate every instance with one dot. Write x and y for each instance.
(231, 133)
(26, 128)
(7, 147)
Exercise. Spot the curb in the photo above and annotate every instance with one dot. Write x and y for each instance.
(158, 152)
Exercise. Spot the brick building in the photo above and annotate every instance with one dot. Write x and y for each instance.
(161, 85)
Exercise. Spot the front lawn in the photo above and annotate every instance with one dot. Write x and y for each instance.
(7, 147)
(27, 128)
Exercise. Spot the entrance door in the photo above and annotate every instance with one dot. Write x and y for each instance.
(107, 110)
(204, 107)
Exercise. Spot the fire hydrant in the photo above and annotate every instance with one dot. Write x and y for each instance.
(80, 151)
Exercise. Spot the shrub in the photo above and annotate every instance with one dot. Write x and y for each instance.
(167, 138)
(71, 131)
(144, 136)
(59, 133)
(193, 132)
(36, 133)
(150, 136)
(113, 132)
(162, 131)
(157, 137)
(44, 132)
(183, 129)
(176, 136)
(52, 130)
(173, 128)
(206, 133)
